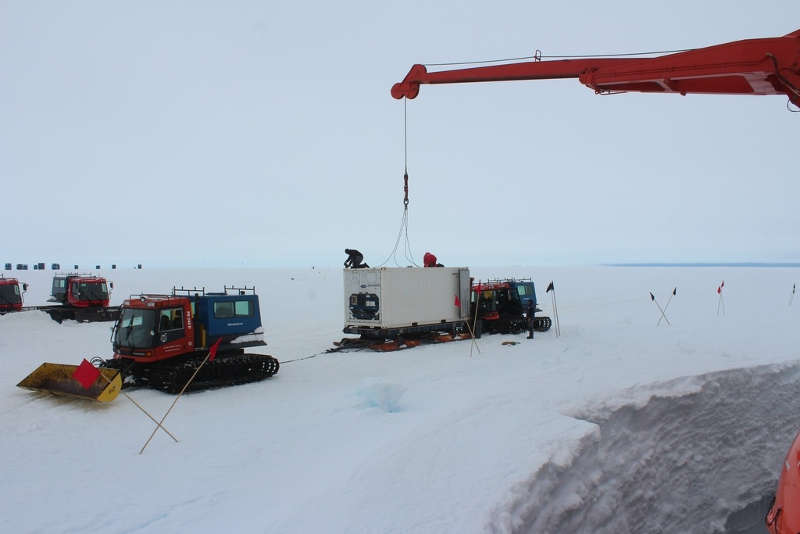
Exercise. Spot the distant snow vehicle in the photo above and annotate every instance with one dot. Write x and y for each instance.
(10, 296)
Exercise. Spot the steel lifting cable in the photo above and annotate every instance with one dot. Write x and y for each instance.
(402, 234)
(539, 56)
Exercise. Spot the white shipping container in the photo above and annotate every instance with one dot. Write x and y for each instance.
(396, 297)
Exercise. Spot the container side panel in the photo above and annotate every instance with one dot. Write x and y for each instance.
(421, 295)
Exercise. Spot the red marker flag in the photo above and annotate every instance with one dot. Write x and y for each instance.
(86, 374)
(212, 352)
(457, 302)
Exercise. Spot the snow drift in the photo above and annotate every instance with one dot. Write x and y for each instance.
(681, 462)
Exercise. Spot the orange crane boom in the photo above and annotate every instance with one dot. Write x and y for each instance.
(768, 66)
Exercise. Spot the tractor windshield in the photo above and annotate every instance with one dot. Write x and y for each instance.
(59, 287)
(92, 291)
(9, 294)
(136, 329)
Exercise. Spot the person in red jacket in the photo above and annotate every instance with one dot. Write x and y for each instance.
(429, 260)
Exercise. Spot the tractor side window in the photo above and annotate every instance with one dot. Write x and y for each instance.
(243, 308)
(170, 319)
(177, 319)
(223, 310)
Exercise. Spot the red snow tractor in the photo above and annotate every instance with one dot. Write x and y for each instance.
(503, 306)
(160, 341)
(82, 297)
(10, 296)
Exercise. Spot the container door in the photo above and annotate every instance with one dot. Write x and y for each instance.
(362, 296)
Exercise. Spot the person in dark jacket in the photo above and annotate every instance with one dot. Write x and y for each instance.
(354, 259)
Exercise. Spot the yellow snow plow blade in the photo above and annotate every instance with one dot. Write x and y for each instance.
(57, 378)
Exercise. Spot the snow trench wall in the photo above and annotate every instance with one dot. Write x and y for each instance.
(670, 464)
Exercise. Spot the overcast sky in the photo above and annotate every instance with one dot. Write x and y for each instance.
(263, 134)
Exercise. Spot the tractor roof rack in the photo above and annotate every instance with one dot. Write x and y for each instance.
(188, 291)
(143, 296)
(240, 290)
(506, 280)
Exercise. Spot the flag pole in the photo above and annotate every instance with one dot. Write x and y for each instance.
(477, 305)
(153, 419)
(472, 336)
(653, 298)
(552, 287)
(173, 402)
(211, 354)
(666, 307)
(87, 380)
(555, 312)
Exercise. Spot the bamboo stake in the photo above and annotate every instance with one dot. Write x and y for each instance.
(472, 336)
(176, 400)
(153, 419)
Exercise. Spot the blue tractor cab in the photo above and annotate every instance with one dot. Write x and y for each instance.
(233, 314)
(525, 291)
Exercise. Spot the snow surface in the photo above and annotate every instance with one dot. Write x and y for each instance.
(616, 426)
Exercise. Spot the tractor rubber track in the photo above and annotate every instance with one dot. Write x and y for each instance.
(171, 376)
(542, 324)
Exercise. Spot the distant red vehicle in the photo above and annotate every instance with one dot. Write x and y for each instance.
(80, 291)
(10, 296)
